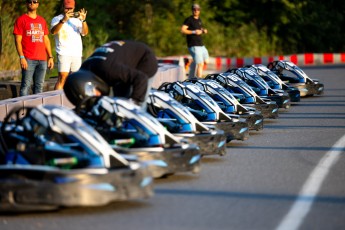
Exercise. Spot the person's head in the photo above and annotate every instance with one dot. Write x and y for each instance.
(68, 5)
(82, 84)
(32, 4)
(196, 9)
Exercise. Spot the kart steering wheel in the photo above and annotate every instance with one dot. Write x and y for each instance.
(85, 105)
(164, 86)
(84, 109)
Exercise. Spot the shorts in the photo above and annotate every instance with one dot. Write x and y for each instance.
(199, 54)
(68, 63)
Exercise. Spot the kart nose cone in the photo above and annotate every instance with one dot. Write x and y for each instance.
(258, 122)
(194, 159)
(221, 144)
(243, 130)
(146, 181)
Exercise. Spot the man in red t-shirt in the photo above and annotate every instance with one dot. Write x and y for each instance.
(33, 45)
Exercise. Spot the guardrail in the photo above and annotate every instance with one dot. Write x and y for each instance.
(224, 63)
(307, 59)
(165, 73)
(56, 97)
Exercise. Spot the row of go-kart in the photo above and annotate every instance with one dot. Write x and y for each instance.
(109, 149)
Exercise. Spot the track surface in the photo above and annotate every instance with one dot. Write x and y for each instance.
(253, 187)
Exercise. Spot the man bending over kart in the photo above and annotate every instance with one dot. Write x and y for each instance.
(127, 67)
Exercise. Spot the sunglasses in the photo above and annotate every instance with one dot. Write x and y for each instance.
(31, 2)
(196, 9)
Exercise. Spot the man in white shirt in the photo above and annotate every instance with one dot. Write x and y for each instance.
(67, 29)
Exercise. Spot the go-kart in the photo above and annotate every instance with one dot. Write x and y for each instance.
(275, 82)
(229, 104)
(205, 109)
(182, 123)
(261, 88)
(51, 158)
(132, 131)
(296, 77)
(245, 94)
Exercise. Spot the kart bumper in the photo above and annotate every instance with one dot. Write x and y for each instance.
(211, 143)
(294, 94)
(233, 130)
(315, 89)
(40, 188)
(255, 121)
(310, 89)
(166, 161)
(268, 110)
(282, 101)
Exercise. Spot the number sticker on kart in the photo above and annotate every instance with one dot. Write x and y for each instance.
(250, 72)
(233, 78)
(214, 85)
(194, 88)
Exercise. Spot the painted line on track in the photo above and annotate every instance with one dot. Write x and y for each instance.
(301, 207)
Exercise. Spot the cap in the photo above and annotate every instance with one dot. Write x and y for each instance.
(69, 3)
(196, 6)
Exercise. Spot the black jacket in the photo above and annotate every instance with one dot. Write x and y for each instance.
(124, 65)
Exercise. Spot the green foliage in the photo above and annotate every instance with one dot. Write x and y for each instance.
(235, 28)
(8, 45)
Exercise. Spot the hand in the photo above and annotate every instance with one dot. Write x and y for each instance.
(198, 32)
(82, 13)
(23, 63)
(50, 63)
(204, 31)
(69, 14)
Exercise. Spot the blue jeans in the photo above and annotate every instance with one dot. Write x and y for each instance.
(35, 72)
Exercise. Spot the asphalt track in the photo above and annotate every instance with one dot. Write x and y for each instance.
(291, 175)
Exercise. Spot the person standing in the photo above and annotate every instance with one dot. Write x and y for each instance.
(67, 29)
(33, 45)
(193, 28)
